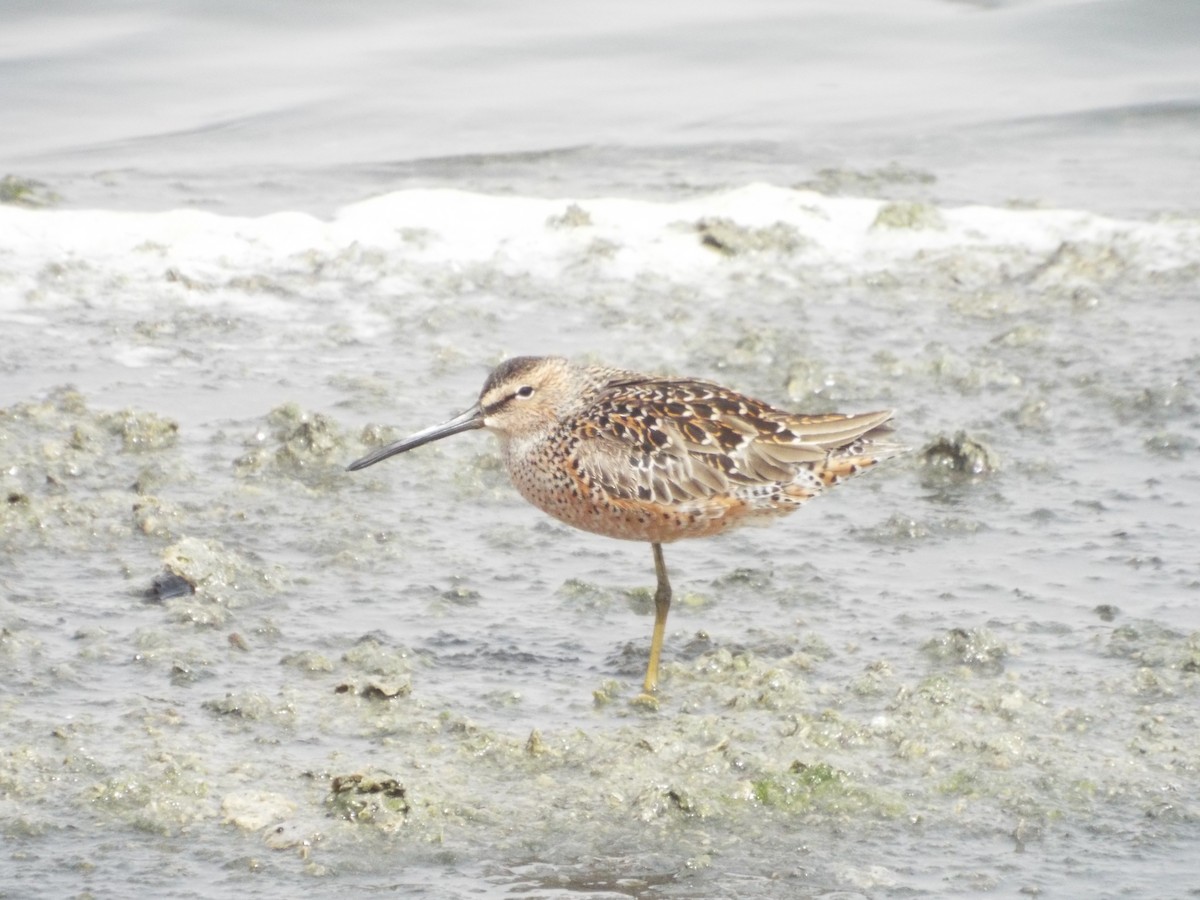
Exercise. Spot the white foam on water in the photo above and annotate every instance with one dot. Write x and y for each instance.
(417, 231)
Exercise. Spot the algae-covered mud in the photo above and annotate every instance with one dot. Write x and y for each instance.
(230, 667)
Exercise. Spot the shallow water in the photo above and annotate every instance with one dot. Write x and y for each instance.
(973, 680)
(405, 680)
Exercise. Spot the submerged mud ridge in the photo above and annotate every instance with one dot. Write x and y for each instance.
(975, 668)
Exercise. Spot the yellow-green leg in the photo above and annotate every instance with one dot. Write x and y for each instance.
(662, 605)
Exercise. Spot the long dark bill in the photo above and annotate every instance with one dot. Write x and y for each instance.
(472, 418)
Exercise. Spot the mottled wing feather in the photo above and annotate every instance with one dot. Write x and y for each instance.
(619, 460)
(694, 443)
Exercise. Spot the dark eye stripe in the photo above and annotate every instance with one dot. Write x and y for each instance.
(525, 391)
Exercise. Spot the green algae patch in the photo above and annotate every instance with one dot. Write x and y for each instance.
(908, 216)
(252, 706)
(959, 456)
(372, 799)
(74, 475)
(140, 431)
(67, 429)
(820, 787)
(728, 238)
(1076, 266)
(296, 444)
(220, 577)
(165, 795)
(18, 191)
(310, 662)
(373, 657)
(609, 691)
(574, 216)
(835, 181)
(976, 647)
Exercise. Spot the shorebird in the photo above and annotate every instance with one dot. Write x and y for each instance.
(655, 459)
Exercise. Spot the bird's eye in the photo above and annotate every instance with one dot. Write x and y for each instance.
(524, 392)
